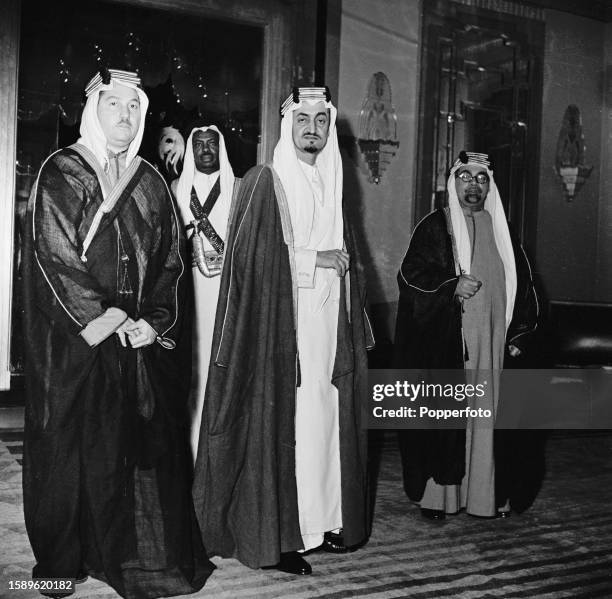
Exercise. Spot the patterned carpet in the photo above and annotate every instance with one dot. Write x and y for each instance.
(561, 548)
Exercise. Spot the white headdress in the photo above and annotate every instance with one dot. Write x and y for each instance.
(92, 136)
(494, 206)
(329, 164)
(189, 174)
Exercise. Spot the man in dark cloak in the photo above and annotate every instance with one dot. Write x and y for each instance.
(107, 470)
(249, 496)
(466, 297)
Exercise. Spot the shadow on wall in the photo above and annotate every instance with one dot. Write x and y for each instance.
(355, 213)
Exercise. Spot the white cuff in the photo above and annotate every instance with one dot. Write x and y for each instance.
(305, 266)
(103, 326)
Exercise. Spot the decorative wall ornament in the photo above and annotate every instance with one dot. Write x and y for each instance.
(569, 160)
(378, 127)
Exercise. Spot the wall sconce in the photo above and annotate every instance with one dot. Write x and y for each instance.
(377, 127)
(569, 160)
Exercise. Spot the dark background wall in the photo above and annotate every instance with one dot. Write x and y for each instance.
(573, 255)
(568, 248)
(375, 39)
(604, 245)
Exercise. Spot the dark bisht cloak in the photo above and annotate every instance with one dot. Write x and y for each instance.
(428, 336)
(245, 489)
(107, 470)
(520, 454)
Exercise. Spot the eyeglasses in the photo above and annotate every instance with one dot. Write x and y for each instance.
(467, 177)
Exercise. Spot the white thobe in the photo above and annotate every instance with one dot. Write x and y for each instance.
(206, 295)
(317, 443)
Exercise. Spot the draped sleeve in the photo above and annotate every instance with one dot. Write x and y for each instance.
(428, 331)
(160, 306)
(68, 293)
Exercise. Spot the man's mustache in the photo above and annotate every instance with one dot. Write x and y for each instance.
(312, 135)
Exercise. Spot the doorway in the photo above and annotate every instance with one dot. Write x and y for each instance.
(227, 62)
(191, 69)
(481, 91)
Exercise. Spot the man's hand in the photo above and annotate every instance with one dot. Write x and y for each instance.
(514, 351)
(467, 286)
(141, 333)
(336, 259)
(122, 332)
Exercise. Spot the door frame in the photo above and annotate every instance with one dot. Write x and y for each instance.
(9, 69)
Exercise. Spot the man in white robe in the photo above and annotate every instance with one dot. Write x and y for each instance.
(282, 458)
(204, 194)
(308, 163)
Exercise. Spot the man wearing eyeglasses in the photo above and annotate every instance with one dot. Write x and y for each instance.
(466, 301)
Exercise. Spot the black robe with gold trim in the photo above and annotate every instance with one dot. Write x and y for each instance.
(428, 336)
(107, 469)
(245, 489)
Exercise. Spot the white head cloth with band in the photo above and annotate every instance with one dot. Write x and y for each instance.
(92, 136)
(190, 175)
(494, 206)
(329, 163)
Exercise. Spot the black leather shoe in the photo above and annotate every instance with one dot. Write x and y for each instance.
(432, 514)
(504, 514)
(292, 563)
(333, 542)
